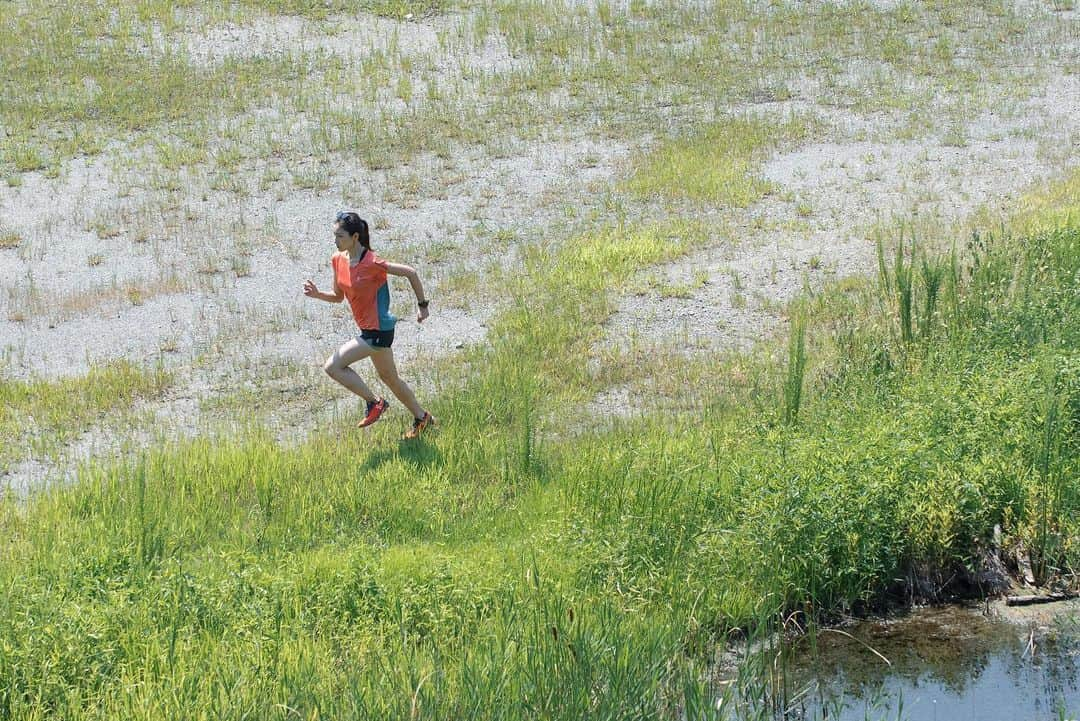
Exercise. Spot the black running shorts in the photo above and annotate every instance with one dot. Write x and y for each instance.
(377, 338)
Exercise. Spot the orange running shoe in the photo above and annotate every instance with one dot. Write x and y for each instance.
(374, 410)
(419, 425)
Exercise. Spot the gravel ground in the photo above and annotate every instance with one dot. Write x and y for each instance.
(835, 194)
(217, 298)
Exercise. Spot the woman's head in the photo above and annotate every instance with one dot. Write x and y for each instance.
(350, 228)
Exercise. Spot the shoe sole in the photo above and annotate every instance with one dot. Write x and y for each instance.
(426, 428)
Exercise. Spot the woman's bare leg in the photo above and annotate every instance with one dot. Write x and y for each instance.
(383, 360)
(337, 367)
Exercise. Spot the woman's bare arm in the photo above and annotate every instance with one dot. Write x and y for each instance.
(406, 271)
(312, 292)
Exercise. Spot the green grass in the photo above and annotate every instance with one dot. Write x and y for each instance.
(503, 570)
(512, 566)
(397, 9)
(42, 416)
(1052, 205)
(715, 166)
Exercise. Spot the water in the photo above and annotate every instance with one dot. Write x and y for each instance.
(943, 664)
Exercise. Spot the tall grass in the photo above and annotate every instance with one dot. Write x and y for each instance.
(914, 297)
(932, 275)
(902, 276)
(503, 569)
(1047, 467)
(793, 384)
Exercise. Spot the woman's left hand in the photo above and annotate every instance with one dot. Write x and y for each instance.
(421, 314)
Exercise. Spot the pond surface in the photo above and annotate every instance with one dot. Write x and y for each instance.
(943, 664)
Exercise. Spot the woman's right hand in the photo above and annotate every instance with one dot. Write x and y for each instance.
(310, 290)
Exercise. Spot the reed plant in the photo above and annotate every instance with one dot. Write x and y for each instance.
(793, 383)
(902, 275)
(932, 275)
(503, 569)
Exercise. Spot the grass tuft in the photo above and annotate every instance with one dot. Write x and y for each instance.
(715, 166)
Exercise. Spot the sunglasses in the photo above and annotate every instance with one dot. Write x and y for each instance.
(348, 216)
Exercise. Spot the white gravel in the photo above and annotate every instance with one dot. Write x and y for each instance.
(218, 280)
(835, 193)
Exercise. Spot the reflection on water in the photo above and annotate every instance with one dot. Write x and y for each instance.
(946, 664)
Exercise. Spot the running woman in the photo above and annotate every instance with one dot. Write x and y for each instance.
(360, 276)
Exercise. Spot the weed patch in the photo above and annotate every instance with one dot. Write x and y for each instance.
(42, 416)
(716, 165)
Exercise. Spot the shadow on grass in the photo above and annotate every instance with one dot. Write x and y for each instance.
(420, 453)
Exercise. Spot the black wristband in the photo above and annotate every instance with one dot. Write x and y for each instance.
(422, 304)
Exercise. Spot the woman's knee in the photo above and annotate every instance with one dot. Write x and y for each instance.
(331, 366)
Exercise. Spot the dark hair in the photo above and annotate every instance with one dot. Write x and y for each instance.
(353, 223)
